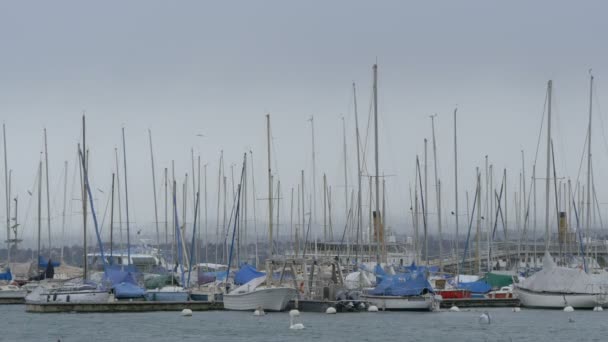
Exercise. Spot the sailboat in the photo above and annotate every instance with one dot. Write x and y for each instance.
(557, 286)
(260, 291)
(76, 290)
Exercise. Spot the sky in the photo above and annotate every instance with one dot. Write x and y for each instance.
(202, 75)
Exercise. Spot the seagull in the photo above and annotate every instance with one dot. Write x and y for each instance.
(201, 135)
(29, 192)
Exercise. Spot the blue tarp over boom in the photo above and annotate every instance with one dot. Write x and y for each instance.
(403, 284)
(123, 282)
(6, 275)
(479, 286)
(246, 274)
(43, 263)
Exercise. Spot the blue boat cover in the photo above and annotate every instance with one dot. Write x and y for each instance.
(413, 268)
(403, 284)
(6, 275)
(123, 282)
(43, 263)
(246, 274)
(479, 286)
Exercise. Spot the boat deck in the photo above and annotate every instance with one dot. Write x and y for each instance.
(122, 307)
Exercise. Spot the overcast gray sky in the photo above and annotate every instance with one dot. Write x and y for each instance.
(182, 68)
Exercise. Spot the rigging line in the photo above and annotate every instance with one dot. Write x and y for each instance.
(27, 212)
(580, 167)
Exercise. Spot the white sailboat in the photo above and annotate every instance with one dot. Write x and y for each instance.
(556, 286)
(253, 295)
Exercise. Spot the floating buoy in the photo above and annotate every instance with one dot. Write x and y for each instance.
(294, 326)
(516, 309)
(485, 318)
(568, 309)
(259, 311)
(361, 306)
(454, 308)
(186, 312)
(372, 308)
(598, 308)
(570, 320)
(330, 310)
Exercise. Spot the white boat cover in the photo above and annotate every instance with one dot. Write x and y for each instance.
(249, 286)
(557, 279)
(357, 280)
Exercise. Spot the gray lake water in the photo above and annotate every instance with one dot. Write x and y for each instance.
(527, 325)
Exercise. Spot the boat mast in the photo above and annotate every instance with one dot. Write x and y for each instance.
(424, 197)
(8, 201)
(153, 189)
(548, 174)
(118, 197)
(359, 204)
(40, 211)
(345, 168)
(85, 158)
(378, 220)
(112, 221)
(124, 155)
(456, 194)
(270, 247)
(314, 170)
(65, 193)
(48, 197)
(589, 187)
(438, 191)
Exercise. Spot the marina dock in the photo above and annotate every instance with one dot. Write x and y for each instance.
(480, 303)
(122, 307)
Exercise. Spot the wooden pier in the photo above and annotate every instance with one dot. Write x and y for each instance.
(122, 307)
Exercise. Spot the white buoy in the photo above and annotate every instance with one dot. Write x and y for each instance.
(331, 310)
(294, 326)
(454, 308)
(516, 309)
(361, 306)
(259, 311)
(568, 309)
(186, 312)
(485, 318)
(598, 308)
(372, 308)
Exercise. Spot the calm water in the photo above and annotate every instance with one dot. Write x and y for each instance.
(527, 325)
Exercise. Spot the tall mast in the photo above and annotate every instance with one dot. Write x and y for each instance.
(85, 156)
(438, 197)
(589, 187)
(378, 221)
(314, 171)
(345, 169)
(48, 197)
(359, 204)
(270, 247)
(8, 201)
(154, 190)
(40, 211)
(457, 242)
(424, 196)
(534, 213)
(219, 192)
(118, 197)
(548, 174)
(112, 221)
(124, 155)
(65, 194)
(324, 207)
(166, 208)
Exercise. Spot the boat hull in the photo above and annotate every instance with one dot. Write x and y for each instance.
(13, 293)
(89, 296)
(409, 303)
(269, 299)
(454, 294)
(533, 299)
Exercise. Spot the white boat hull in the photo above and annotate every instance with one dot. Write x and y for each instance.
(57, 296)
(532, 299)
(269, 299)
(410, 303)
(12, 292)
